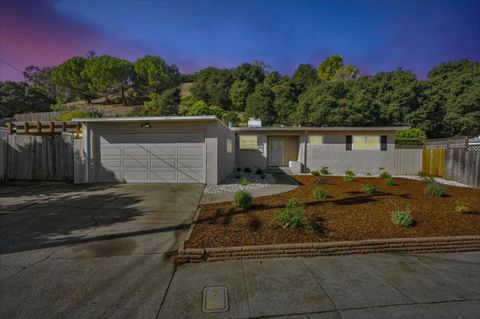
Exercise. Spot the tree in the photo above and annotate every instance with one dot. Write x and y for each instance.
(231, 118)
(253, 73)
(451, 100)
(41, 79)
(212, 85)
(22, 98)
(260, 104)
(239, 92)
(108, 74)
(332, 69)
(285, 100)
(68, 76)
(304, 77)
(201, 108)
(163, 104)
(153, 74)
(396, 94)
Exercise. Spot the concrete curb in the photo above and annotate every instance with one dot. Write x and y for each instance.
(181, 245)
(394, 245)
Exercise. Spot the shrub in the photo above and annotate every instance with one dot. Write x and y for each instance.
(464, 208)
(293, 215)
(385, 175)
(243, 181)
(247, 170)
(349, 176)
(259, 171)
(422, 174)
(315, 173)
(370, 188)
(402, 218)
(390, 182)
(434, 189)
(242, 199)
(321, 181)
(320, 193)
(324, 171)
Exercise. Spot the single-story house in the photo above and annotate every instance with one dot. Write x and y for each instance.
(201, 149)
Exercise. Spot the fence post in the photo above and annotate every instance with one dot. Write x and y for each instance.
(466, 144)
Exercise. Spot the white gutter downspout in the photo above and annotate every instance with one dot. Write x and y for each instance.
(86, 139)
(305, 137)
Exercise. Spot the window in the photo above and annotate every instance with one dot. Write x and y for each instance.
(348, 143)
(315, 139)
(229, 146)
(248, 142)
(366, 142)
(383, 143)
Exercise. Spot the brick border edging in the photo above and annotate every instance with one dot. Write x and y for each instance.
(394, 245)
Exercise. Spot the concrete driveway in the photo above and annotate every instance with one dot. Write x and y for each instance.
(89, 251)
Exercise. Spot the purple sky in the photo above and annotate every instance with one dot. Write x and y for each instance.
(374, 35)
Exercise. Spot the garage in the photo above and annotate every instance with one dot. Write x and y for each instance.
(154, 149)
(157, 158)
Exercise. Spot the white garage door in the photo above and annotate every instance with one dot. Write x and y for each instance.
(154, 158)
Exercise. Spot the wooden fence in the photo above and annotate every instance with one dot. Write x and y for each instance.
(40, 116)
(408, 161)
(3, 155)
(463, 166)
(43, 158)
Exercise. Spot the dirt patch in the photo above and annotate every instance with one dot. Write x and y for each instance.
(347, 214)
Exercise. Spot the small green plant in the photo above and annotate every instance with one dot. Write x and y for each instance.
(242, 199)
(390, 181)
(434, 189)
(463, 207)
(315, 172)
(243, 181)
(402, 218)
(422, 174)
(258, 171)
(370, 188)
(349, 176)
(320, 193)
(321, 181)
(293, 215)
(385, 175)
(324, 170)
(247, 170)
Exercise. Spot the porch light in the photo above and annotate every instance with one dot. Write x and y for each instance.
(78, 135)
(146, 125)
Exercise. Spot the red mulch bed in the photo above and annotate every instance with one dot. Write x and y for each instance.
(347, 214)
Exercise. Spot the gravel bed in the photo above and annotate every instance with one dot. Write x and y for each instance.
(231, 184)
(437, 179)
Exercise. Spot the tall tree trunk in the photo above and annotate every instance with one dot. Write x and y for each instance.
(123, 95)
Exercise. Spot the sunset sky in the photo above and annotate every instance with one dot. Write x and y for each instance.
(374, 35)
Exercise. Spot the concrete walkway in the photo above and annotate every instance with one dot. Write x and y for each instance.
(284, 183)
(375, 286)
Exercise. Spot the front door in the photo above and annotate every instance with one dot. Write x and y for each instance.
(275, 151)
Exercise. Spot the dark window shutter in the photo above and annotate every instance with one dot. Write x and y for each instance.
(383, 143)
(348, 143)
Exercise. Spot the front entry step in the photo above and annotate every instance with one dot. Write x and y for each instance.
(274, 170)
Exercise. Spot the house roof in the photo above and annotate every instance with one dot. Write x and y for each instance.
(335, 128)
(147, 118)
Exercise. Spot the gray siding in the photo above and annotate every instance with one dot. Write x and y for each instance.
(253, 158)
(332, 154)
(226, 162)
